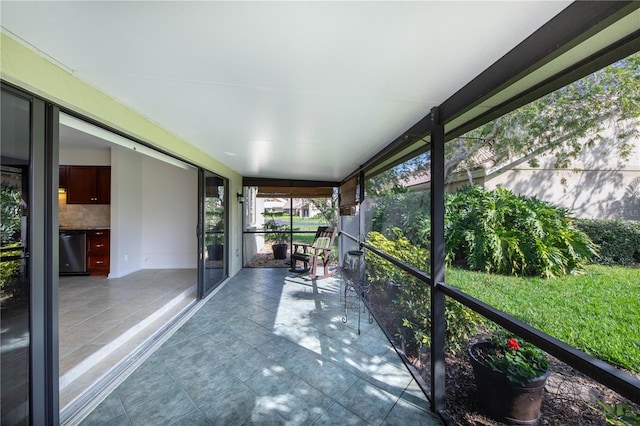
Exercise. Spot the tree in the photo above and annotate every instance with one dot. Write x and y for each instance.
(562, 123)
(327, 208)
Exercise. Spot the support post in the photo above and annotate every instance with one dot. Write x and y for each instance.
(438, 325)
(362, 222)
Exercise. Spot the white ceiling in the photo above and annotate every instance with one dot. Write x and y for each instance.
(297, 90)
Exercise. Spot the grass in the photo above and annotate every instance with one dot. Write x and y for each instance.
(597, 312)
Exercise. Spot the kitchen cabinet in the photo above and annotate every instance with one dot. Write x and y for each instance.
(98, 248)
(63, 177)
(88, 184)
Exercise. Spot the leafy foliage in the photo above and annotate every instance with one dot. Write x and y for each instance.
(10, 271)
(10, 212)
(498, 231)
(397, 245)
(405, 209)
(520, 361)
(619, 240)
(619, 414)
(327, 208)
(277, 231)
(414, 299)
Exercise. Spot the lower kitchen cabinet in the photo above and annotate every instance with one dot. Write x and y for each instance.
(98, 251)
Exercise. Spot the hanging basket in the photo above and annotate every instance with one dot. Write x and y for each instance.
(504, 400)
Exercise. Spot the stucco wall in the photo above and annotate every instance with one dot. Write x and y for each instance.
(599, 185)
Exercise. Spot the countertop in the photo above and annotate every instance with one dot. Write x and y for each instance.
(86, 228)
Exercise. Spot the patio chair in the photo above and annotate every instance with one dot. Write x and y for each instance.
(314, 253)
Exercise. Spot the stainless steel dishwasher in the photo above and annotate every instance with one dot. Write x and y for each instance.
(73, 252)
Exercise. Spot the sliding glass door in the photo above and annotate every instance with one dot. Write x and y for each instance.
(27, 373)
(14, 259)
(214, 231)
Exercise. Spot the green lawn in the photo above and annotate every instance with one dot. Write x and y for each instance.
(598, 312)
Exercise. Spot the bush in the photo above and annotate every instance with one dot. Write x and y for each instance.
(10, 271)
(414, 299)
(499, 231)
(10, 213)
(619, 240)
(398, 246)
(405, 209)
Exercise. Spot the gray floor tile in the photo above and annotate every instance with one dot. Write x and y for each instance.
(301, 405)
(207, 384)
(148, 382)
(337, 415)
(234, 407)
(368, 401)
(194, 418)
(272, 380)
(266, 418)
(106, 412)
(331, 379)
(388, 377)
(291, 361)
(406, 414)
(302, 362)
(248, 365)
(164, 410)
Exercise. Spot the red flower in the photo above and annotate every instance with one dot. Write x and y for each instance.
(513, 344)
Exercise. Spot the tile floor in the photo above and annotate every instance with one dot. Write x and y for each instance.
(102, 320)
(269, 348)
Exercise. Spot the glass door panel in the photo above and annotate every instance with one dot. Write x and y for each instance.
(14, 259)
(215, 226)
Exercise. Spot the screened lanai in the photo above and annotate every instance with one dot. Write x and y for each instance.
(325, 95)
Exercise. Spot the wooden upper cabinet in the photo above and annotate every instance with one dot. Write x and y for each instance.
(88, 184)
(63, 177)
(103, 185)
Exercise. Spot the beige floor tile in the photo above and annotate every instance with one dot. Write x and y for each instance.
(96, 311)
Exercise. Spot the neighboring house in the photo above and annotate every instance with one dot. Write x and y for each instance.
(302, 207)
(276, 205)
(598, 185)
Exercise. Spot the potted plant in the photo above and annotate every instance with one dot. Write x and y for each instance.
(278, 237)
(510, 377)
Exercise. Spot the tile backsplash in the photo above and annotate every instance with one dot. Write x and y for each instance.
(81, 216)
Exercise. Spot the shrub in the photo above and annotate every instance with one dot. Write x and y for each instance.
(10, 212)
(619, 240)
(414, 299)
(405, 209)
(499, 231)
(398, 246)
(10, 272)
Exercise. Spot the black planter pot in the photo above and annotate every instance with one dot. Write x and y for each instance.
(215, 252)
(508, 402)
(279, 251)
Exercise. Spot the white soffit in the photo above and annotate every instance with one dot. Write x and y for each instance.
(301, 90)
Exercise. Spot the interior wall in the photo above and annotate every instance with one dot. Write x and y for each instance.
(170, 215)
(126, 212)
(85, 157)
